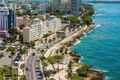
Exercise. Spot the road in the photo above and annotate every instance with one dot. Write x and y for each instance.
(68, 39)
(34, 69)
(30, 68)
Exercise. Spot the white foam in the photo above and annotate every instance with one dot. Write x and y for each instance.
(105, 71)
(98, 25)
(77, 42)
(108, 78)
(99, 14)
(85, 34)
(82, 58)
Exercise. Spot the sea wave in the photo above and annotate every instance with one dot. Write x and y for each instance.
(102, 70)
(82, 58)
(108, 78)
(98, 25)
(77, 42)
(85, 34)
(99, 14)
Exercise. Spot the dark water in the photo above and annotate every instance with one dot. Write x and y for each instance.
(101, 46)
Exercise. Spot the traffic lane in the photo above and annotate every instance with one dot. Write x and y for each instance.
(30, 65)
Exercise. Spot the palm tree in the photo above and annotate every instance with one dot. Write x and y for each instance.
(54, 59)
(82, 71)
(69, 70)
(44, 63)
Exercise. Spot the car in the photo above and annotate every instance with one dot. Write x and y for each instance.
(18, 57)
(39, 77)
(37, 68)
(33, 54)
(1, 55)
(39, 73)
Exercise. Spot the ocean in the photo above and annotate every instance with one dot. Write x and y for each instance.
(101, 46)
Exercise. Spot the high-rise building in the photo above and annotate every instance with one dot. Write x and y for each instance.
(7, 18)
(11, 19)
(40, 6)
(55, 4)
(4, 12)
(75, 6)
(33, 32)
(68, 5)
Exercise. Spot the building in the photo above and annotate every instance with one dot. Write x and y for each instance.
(75, 6)
(54, 24)
(40, 6)
(55, 4)
(30, 34)
(7, 18)
(23, 21)
(39, 28)
(11, 19)
(33, 32)
(69, 5)
(4, 13)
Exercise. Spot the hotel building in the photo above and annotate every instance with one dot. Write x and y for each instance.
(39, 28)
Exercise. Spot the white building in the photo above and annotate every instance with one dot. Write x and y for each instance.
(33, 32)
(54, 24)
(39, 28)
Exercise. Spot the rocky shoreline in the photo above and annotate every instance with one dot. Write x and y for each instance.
(84, 71)
(92, 74)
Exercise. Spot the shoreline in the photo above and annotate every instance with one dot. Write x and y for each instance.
(98, 71)
(70, 41)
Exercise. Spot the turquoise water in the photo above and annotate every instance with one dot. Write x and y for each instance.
(101, 46)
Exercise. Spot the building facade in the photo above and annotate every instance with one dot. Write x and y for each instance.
(4, 13)
(75, 6)
(39, 28)
(54, 24)
(11, 19)
(33, 32)
(7, 18)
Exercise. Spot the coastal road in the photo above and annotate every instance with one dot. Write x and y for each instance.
(68, 39)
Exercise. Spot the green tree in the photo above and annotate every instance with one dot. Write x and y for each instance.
(23, 51)
(21, 13)
(88, 9)
(52, 79)
(69, 71)
(87, 20)
(83, 70)
(23, 77)
(13, 31)
(54, 59)
(74, 19)
(11, 49)
(76, 77)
